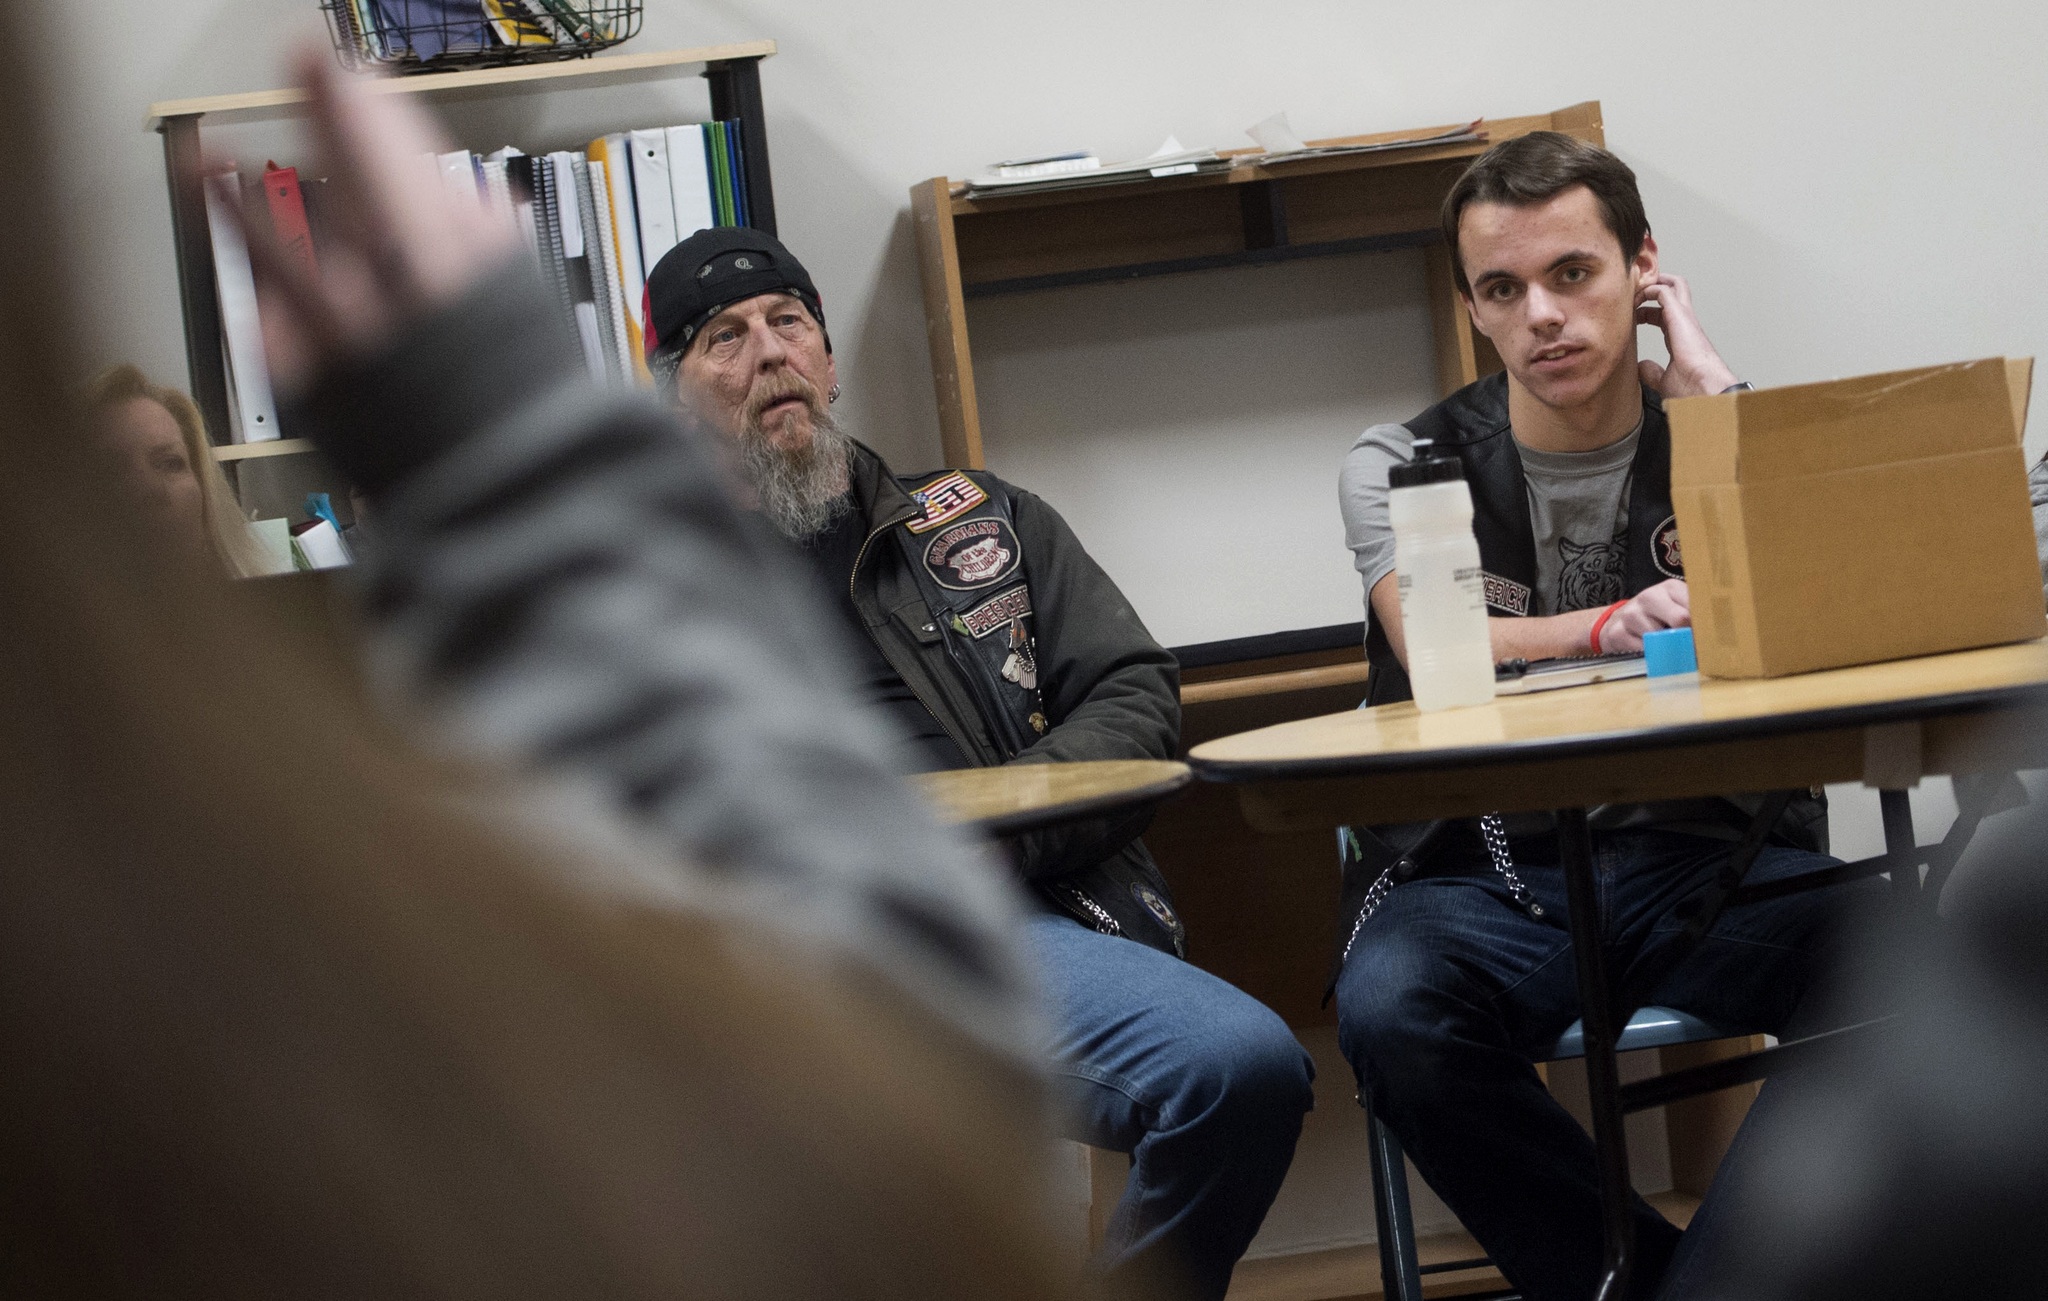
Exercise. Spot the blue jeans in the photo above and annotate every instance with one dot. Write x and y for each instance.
(1451, 992)
(1199, 1082)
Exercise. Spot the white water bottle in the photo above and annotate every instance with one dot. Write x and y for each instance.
(1443, 591)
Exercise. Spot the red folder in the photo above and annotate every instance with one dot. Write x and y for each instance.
(288, 215)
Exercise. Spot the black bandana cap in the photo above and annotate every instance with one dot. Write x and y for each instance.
(710, 271)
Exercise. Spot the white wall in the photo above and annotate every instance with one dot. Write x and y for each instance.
(1848, 188)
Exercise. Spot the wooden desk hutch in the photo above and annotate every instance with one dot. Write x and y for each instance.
(1317, 207)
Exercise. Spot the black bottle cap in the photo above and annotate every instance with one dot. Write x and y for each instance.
(1427, 467)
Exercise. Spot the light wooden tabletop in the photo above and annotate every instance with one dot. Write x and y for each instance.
(1022, 797)
(1644, 739)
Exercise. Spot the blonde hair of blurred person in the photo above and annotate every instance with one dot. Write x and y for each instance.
(296, 1012)
(174, 479)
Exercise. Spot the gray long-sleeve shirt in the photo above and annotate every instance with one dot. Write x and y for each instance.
(2037, 490)
(558, 574)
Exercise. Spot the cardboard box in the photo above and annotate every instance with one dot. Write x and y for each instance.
(1858, 520)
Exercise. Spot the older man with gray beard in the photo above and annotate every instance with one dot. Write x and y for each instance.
(975, 620)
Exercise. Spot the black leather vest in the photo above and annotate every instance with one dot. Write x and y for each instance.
(968, 563)
(1472, 425)
(969, 567)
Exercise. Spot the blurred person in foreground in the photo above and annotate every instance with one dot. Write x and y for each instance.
(558, 578)
(972, 616)
(309, 1014)
(157, 442)
(1913, 1162)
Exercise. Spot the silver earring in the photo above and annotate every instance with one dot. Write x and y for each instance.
(833, 396)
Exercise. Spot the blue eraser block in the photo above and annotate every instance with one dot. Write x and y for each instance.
(1669, 651)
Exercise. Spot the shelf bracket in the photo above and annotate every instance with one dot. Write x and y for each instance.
(1265, 214)
(205, 351)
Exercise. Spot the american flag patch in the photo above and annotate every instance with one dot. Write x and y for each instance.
(946, 498)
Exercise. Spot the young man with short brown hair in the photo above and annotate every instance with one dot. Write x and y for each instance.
(1456, 973)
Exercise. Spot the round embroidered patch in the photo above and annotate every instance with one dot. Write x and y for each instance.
(1664, 552)
(974, 554)
(1155, 904)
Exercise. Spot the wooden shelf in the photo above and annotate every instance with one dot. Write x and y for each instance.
(259, 103)
(251, 451)
(1253, 213)
(1246, 169)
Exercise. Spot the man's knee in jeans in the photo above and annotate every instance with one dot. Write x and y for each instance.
(1246, 1062)
(1391, 1020)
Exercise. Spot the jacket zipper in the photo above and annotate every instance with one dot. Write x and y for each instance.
(853, 596)
(998, 721)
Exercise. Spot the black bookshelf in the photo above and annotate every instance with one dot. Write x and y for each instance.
(732, 71)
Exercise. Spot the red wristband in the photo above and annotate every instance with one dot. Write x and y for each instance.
(1601, 622)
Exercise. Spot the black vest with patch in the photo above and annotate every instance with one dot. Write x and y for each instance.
(968, 563)
(1472, 425)
(969, 567)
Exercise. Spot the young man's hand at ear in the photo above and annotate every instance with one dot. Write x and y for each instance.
(1695, 368)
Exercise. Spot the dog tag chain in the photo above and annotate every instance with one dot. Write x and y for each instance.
(1491, 829)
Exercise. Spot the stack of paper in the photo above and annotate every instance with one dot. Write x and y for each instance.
(1279, 144)
(1169, 159)
(1031, 169)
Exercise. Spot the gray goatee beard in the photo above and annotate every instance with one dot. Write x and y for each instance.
(800, 492)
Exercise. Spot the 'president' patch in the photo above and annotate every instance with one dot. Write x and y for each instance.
(997, 612)
(973, 555)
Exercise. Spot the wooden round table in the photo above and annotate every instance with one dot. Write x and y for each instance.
(1021, 797)
(1641, 739)
(1637, 740)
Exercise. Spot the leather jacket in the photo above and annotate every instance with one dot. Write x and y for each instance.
(1039, 659)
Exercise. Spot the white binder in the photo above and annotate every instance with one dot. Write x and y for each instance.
(689, 179)
(651, 196)
(253, 408)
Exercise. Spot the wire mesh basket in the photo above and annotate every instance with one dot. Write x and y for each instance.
(444, 35)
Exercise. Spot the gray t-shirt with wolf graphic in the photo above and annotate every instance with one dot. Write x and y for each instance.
(1578, 513)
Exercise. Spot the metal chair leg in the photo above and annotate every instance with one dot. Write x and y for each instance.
(1896, 809)
(1400, 1270)
(1603, 1085)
